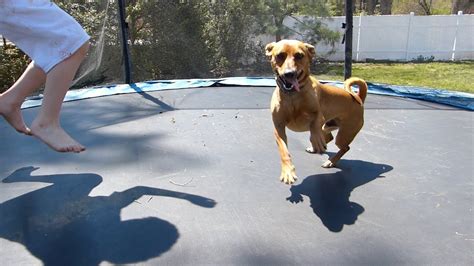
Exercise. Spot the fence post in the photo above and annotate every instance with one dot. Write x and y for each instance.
(453, 54)
(412, 14)
(124, 36)
(348, 47)
(358, 36)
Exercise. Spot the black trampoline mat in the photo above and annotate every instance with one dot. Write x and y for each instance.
(191, 177)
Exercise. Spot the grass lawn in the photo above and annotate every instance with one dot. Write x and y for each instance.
(457, 76)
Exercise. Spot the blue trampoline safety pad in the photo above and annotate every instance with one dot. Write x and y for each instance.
(456, 99)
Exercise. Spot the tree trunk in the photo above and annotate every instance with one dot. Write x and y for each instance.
(277, 37)
(279, 26)
(466, 6)
(426, 6)
(371, 6)
(386, 7)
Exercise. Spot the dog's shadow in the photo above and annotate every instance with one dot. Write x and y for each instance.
(61, 225)
(329, 193)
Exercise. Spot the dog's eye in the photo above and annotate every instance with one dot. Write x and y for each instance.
(281, 56)
(299, 56)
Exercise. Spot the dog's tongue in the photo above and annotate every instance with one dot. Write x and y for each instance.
(295, 84)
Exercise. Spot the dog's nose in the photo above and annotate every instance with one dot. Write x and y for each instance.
(290, 74)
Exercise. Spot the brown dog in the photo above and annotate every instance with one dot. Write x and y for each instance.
(301, 103)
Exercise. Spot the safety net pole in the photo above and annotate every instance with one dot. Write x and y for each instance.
(348, 41)
(124, 37)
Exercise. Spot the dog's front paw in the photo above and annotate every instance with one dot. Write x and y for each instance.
(288, 175)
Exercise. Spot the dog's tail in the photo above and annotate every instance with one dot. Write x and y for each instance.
(362, 94)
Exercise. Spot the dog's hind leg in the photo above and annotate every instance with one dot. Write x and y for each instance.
(328, 137)
(344, 137)
(329, 126)
(331, 162)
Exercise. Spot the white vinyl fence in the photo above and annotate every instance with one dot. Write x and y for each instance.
(404, 37)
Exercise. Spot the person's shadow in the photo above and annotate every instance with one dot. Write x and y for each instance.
(61, 225)
(329, 193)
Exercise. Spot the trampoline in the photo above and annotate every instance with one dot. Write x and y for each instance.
(183, 171)
(190, 176)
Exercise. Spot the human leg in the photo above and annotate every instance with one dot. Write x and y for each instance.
(53, 39)
(46, 125)
(10, 101)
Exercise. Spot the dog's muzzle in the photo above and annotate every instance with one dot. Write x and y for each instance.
(288, 81)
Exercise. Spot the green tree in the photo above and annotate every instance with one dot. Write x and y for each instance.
(309, 15)
(386, 7)
(336, 7)
(230, 29)
(466, 6)
(426, 6)
(274, 12)
(166, 40)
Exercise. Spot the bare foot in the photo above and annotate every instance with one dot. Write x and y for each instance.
(56, 138)
(12, 114)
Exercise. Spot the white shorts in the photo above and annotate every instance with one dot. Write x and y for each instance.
(42, 30)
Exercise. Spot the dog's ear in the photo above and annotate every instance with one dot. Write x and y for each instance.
(269, 48)
(311, 50)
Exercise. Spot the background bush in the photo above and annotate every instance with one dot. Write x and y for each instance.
(12, 64)
(181, 39)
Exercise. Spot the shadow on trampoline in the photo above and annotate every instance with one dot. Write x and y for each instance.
(61, 225)
(329, 193)
(163, 106)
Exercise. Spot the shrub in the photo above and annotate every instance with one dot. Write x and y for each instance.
(12, 64)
